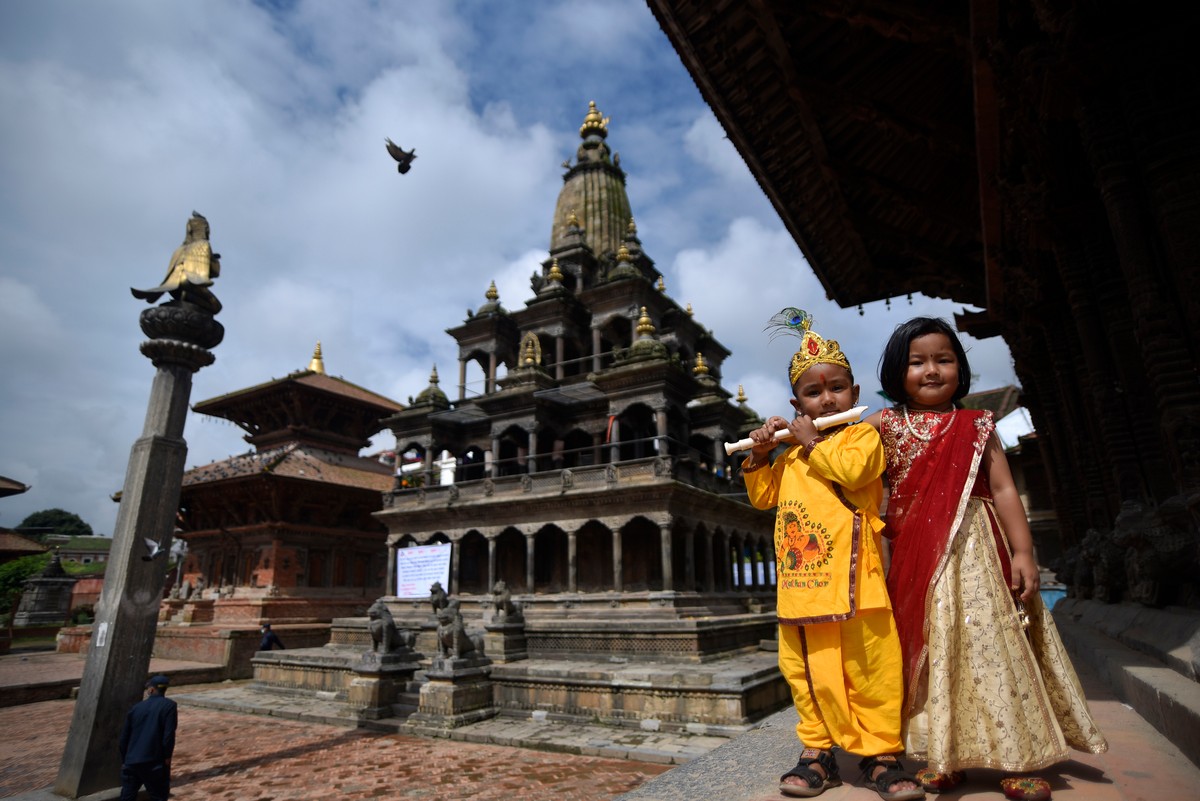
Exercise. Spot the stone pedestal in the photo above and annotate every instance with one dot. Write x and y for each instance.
(379, 680)
(457, 692)
(505, 642)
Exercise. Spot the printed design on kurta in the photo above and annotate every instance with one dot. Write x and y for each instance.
(804, 547)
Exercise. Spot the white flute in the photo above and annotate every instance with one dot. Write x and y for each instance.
(822, 423)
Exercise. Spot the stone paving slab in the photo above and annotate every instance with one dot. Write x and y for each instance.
(227, 755)
(1141, 765)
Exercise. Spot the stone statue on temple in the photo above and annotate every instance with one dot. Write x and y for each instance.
(382, 627)
(191, 270)
(437, 598)
(453, 639)
(504, 609)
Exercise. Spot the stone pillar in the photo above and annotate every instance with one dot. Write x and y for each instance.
(529, 543)
(531, 465)
(427, 467)
(660, 426)
(462, 379)
(710, 583)
(614, 433)
(689, 561)
(455, 551)
(618, 582)
(181, 332)
(596, 345)
(664, 534)
(572, 567)
(491, 376)
(491, 541)
(390, 582)
(558, 358)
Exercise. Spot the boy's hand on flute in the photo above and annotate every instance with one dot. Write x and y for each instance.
(764, 440)
(803, 429)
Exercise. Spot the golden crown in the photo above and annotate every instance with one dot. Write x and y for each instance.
(813, 348)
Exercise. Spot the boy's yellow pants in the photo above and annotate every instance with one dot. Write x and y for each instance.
(847, 682)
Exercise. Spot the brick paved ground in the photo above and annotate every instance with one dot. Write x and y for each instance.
(226, 755)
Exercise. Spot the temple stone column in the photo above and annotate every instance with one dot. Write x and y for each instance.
(462, 379)
(664, 534)
(689, 561)
(710, 584)
(614, 431)
(531, 465)
(596, 345)
(618, 580)
(491, 541)
(455, 552)
(529, 554)
(180, 332)
(660, 426)
(558, 357)
(491, 376)
(572, 566)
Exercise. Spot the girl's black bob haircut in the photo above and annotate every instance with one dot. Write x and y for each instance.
(893, 365)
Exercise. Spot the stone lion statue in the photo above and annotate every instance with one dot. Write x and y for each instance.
(437, 598)
(452, 637)
(385, 636)
(503, 607)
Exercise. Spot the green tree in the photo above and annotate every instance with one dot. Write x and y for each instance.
(54, 521)
(13, 575)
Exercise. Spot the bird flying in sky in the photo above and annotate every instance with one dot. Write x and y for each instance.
(404, 158)
(153, 549)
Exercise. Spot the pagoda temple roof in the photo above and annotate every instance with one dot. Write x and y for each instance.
(11, 487)
(308, 379)
(297, 461)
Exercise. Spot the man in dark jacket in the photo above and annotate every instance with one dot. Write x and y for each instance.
(269, 639)
(147, 743)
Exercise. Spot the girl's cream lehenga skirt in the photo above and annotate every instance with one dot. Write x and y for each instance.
(997, 696)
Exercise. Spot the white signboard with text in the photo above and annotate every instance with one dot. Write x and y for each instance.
(418, 567)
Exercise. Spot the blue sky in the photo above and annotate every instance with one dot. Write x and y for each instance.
(269, 118)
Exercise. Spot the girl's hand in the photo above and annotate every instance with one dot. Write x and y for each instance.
(1025, 576)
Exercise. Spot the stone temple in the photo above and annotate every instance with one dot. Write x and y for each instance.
(590, 476)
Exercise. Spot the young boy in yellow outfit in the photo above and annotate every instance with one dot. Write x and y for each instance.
(838, 647)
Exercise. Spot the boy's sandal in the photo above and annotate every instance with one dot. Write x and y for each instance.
(893, 772)
(817, 783)
(935, 782)
(1025, 788)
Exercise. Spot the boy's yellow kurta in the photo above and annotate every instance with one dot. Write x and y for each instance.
(838, 647)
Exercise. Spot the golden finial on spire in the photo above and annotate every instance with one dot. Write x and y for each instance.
(662, 285)
(555, 273)
(701, 368)
(594, 122)
(492, 294)
(317, 365)
(689, 310)
(433, 376)
(573, 220)
(623, 254)
(741, 396)
(632, 227)
(644, 327)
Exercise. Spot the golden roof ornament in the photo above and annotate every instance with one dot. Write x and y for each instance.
(555, 273)
(573, 220)
(623, 254)
(491, 294)
(632, 227)
(741, 396)
(433, 377)
(662, 285)
(689, 310)
(594, 123)
(701, 368)
(644, 327)
(317, 365)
